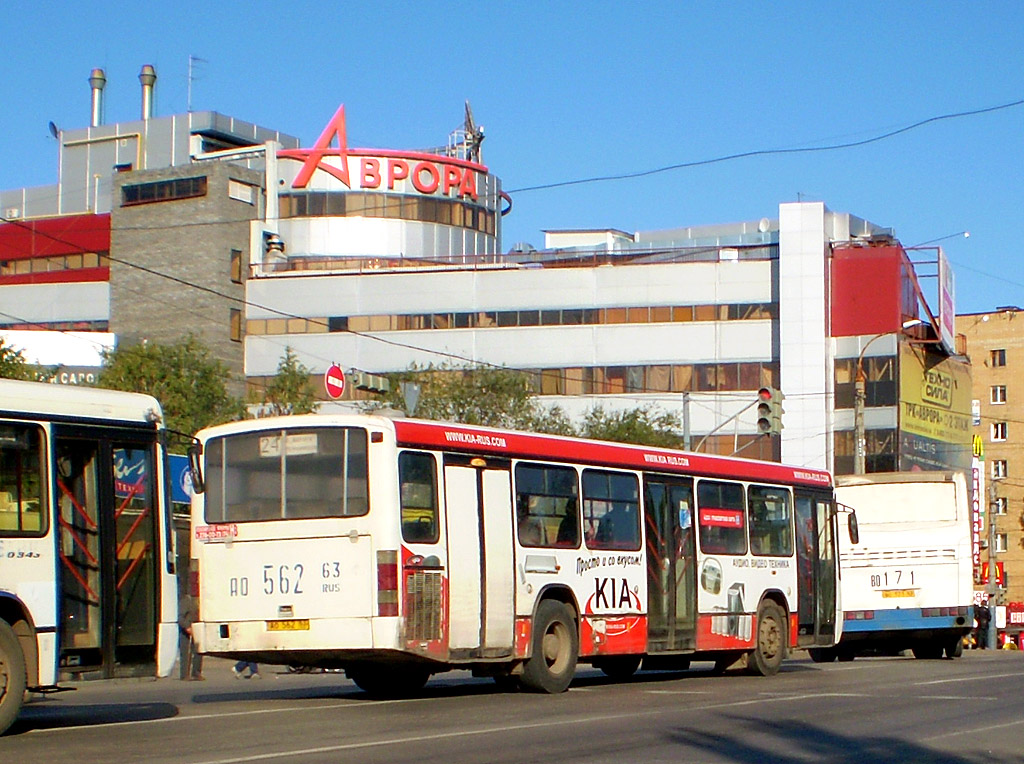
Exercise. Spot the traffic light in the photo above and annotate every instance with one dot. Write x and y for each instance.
(769, 411)
(373, 383)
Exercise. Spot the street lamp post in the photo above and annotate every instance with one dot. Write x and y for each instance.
(859, 396)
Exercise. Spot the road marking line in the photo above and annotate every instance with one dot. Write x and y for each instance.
(974, 731)
(971, 678)
(505, 728)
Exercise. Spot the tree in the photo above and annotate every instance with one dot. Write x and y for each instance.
(14, 366)
(486, 396)
(12, 363)
(504, 398)
(290, 392)
(190, 385)
(644, 425)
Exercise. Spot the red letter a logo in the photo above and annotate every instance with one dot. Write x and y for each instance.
(312, 158)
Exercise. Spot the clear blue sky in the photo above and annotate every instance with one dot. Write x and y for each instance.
(569, 90)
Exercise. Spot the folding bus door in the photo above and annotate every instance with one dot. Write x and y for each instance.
(671, 563)
(107, 549)
(478, 503)
(816, 581)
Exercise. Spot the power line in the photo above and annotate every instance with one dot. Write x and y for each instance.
(767, 152)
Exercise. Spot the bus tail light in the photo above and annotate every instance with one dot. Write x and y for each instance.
(193, 578)
(387, 582)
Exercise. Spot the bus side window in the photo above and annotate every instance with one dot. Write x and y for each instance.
(611, 509)
(22, 496)
(546, 506)
(720, 515)
(417, 478)
(770, 518)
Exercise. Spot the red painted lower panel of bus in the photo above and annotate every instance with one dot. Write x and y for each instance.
(613, 635)
(725, 631)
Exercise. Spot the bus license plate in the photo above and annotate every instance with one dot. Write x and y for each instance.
(898, 593)
(294, 624)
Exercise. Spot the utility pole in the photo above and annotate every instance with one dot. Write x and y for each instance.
(687, 437)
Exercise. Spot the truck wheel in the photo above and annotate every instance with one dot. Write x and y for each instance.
(552, 662)
(13, 678)
(770, 646)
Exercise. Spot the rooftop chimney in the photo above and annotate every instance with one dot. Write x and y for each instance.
(148, 78)
(97, 80)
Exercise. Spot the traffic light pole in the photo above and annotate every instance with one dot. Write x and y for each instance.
(993, 572)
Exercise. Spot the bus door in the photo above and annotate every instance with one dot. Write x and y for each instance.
(478, 502)
(816, 569)
(107, 520)
(671, 563)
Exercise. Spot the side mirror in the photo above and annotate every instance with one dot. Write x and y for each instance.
(851, 522)
(195, 467)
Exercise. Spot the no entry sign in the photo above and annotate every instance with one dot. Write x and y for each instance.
(334, 381)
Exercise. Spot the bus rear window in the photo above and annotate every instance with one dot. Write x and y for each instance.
(286, 475)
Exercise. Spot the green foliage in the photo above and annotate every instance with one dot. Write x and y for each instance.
(643, 425)
(290, 391)
(504, 398)
(12, 363)
(484, 396)
(190, 385)
(14, 366)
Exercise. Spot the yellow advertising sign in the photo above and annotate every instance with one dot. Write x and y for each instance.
(935, 396)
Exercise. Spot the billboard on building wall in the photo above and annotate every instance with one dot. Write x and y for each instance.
(935, 411)
(947, 305)
(977, 502)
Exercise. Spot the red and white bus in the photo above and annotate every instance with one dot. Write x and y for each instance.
(400, 548)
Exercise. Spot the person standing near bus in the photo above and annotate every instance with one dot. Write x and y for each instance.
(239, 669)
(190, 666)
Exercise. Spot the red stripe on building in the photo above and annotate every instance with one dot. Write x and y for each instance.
(68, 276)
(74, 234)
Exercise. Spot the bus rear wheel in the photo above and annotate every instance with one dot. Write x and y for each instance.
(555, 649)
(822, 654)
(13, 678)
(927, 651)
(955, 648)
(770, 646)
(382, 681)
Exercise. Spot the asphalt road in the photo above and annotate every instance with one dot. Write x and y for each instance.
(872, 710)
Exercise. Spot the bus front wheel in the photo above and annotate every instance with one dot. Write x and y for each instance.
(770, 646)
(13, 678)
(552, 662)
